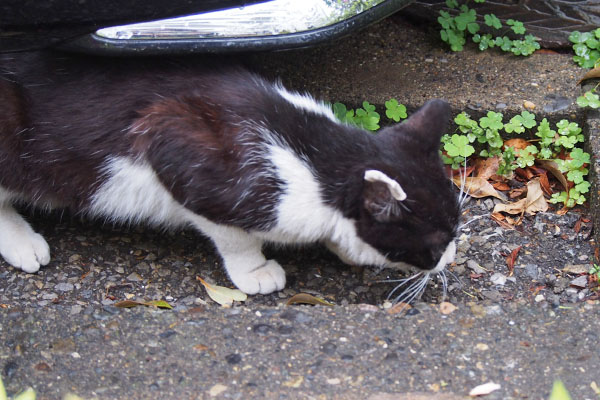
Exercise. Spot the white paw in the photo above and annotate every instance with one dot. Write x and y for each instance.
(265, 279)
(24, 249)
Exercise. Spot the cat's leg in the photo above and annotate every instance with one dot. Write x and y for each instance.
(337, 250)
(244, 262)
(20, 246)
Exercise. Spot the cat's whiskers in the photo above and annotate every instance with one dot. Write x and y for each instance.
(475, 218)
(414, 290)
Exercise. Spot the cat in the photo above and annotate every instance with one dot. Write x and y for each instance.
(220, 149)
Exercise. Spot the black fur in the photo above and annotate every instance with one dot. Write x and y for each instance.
(63, 115)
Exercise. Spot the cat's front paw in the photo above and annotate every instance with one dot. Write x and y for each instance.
(25, 250)
(265, 279)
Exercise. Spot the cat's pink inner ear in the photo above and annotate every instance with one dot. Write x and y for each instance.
(394, 187)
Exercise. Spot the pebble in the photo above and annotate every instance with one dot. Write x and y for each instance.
(580, 282)
(531, 270)
(134, 277)
(539, 298)
(489, 204)
(475, 267)
(576, 269)
(64, 287)
(217, 389)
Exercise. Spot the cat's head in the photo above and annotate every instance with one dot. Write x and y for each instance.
(409, 211)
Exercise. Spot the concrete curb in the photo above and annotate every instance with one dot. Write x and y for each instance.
(592, 134)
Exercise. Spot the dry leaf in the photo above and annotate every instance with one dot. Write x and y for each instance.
(552, 167)
(524, 173)
(477, 187)
(517, 192)
(576, 269)
(517, 207)
(499, 218)
(511, 259)
(533, 203)
(516, 143)
(305, 298)
(500, 186)
(153, 303)
(447, 308)
(486, 167)
(222, 295)
(484, 389)
(591, 74)
(545, 184)
(536, 201)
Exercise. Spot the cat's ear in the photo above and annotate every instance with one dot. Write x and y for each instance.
(425, 126)
(381, 195)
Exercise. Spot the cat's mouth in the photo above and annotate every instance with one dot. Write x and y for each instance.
(409, 289)
(447, 257)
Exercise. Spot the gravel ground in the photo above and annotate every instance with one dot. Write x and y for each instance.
(61, 332)
(98, 265)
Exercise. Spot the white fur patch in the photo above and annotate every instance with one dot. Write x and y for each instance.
(133, 193)
(446, 258)
(303, 217)
(306, 102)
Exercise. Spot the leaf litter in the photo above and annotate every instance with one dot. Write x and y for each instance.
(223, 295)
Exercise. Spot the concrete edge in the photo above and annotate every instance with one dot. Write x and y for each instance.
(592, 134)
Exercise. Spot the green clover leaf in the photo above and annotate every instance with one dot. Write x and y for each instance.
(493, 121)
(394, 110)
(459, 146)
(516, 26)
(492, 20)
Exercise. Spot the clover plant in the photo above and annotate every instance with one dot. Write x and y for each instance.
(462, 22)
(484, 138)
(586, 46)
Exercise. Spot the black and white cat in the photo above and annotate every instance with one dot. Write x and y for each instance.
(242, 160)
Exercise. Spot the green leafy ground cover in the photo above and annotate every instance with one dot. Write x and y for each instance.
(461, 24)
(558, 145)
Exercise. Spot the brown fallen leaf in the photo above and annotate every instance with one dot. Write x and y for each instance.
(486, 167)
(305, 298)
(533, 203)
(545, 184)
(511, 259)
(524, 173)
(477, 187)
(222, 295)
(516, 143)
(500, 186)
(153, 303)
(499, 219)
(591, 74)
(517, 192)
(552, 167)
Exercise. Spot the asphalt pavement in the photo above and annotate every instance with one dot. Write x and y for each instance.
(61, 333)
